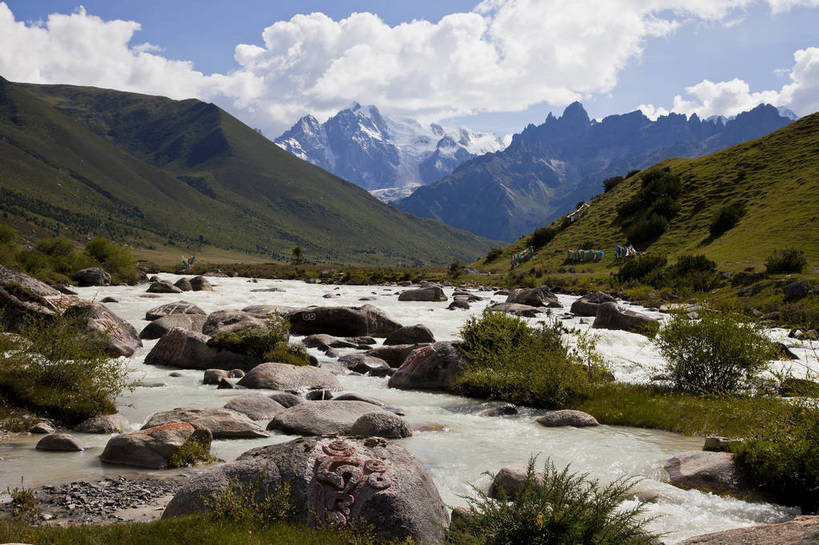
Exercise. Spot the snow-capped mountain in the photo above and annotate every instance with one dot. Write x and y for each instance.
(388, 156)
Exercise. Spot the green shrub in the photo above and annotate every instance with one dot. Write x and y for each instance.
(633, 172)
(719, 353)
(62, 371)
(696, 272)
(611, 183)
(115, 259)
(642, 232)
(726, 218)
(8, 234)
(508, 360)
(252, 503)
(560, 508)
(254, 341)
(782, 458)
(24, 504)
(542, 236)
(294, 354)
(788, 260)
(190, 454)
(640, 267)
(493, 254)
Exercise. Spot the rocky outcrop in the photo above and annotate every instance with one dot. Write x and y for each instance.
(589, 303)
(161, 326)
(190, 350)
(611, 316)
(321, 417)
(152, 448)
(395, 355)
(431, 293)
(163, 286)
(381, 424)
(567, 417)
(179, 307)
(534, 297)
(107, 423)
(60, 442)
(255, 406)
(411, 334)
(92, 276)
(364, 364)
(709, 471)
(796, 290)
(431, 367)
(283, 376)
(799, 531)
(342, 321)
(334, 480)
(222, 423)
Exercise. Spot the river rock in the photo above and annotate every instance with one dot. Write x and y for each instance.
(796, 290)
(183, 284)
(229, 321)
(517, 309)
(105, 329)
(510, 480)
(431, 293)
(589, 303)
(397, 495)
(709, 471)
(411, 334)
(213, 376)
(802, 530)
(160, 326)
(41, 428)
(109, 300)
(179, 307)
(381, 424)
(458, 304)
(325, 342)
(200, 283)
(61, 442)
(321, 417)
(611, 316)
(223, 423)
(163, 286)
(225, 384)
(507, 409)
(255, 406)
(283, 376)
(365, 364)
(534, 297)
(264, 311)
(365, 320)
(355, 397)
(431, 367)
(318, 395)
(394, 355)
(286, 400)
(92, 276)
(151, 448)
(190, 350)
(567, 417)
(107, 423)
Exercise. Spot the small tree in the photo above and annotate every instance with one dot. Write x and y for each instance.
(789, 260)
(455, 269)
(297, 255)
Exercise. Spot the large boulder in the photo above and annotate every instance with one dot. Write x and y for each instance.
(567, 417)
(431, 367)
(321, 417)
(283, 376)
(161, 326)
(411, 334)
(183, 284)
(222, 423)
(163, 286)
(342, 321)
(190, 350)
(381, 424)
(394, 355)
(799, 531)
(709, 471)
(333, 480)
(796, 290)
(200, 283)
(364, 364)
(589, 303)
(107, 330)
(229, 321)
(611, 316)
(255, 406)
(151, 448)
(534, 297)
(325, 342)
(264, 311)
(92, 276)
(431, 293)
(179, 307)
(509, 481)
(106, 423)
(61, 442)
(517, 309)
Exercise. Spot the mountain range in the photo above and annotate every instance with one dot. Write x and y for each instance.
(547, 169)
(185, 176)
(385, 155)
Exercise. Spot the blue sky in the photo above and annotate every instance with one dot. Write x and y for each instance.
(747, 52)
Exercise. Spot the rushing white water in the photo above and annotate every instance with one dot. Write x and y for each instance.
(458, 457)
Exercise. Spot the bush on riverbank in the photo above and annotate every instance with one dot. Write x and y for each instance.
(268, 343)
(721, 352)
(51, 368)
(559, 507)
(510, 361)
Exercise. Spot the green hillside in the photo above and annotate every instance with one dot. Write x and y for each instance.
(774, 178)
(155, 172)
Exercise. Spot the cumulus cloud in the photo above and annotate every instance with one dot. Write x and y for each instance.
(505, 55)
(729, 98)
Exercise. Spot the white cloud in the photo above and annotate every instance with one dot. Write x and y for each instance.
(729, 98)
(505, 55)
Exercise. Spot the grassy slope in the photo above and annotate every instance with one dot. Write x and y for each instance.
(776, 177)
(112, 163)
